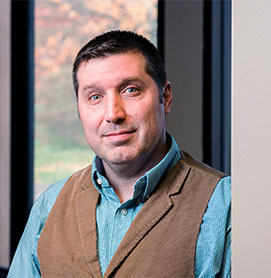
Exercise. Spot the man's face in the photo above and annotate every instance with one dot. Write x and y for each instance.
(118, 103)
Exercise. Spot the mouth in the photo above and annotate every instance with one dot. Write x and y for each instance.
(119, 137)
(119, 133)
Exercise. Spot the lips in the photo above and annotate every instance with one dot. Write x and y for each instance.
(119, 133)
(118, 138)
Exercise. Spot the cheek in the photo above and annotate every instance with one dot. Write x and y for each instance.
(150, 118)
(88, 120)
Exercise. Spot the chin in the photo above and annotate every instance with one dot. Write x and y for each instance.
(120, 158)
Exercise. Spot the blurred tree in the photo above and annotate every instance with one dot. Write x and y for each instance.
(61, 28)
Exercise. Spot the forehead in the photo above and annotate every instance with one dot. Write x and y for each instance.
(123, 63)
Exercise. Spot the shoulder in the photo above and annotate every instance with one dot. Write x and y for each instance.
(201, 179)
(221, 197)
(200, 167)
(46, 200)
(217, 217)
(25, 259)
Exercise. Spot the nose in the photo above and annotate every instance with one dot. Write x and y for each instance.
(114, 111)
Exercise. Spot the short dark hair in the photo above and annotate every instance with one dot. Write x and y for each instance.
(116, 42)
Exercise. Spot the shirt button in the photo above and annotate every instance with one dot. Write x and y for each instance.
(99, 181)
(123, 212)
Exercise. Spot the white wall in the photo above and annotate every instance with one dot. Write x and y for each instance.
(251, 138)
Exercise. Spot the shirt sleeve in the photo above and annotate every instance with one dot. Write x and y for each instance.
(25, 262)
(213, 251)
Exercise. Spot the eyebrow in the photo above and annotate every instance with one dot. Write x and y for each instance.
(132, 79)
(119, 85)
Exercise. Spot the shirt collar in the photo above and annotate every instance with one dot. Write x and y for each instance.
(145, 185)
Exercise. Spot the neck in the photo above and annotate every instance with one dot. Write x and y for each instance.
(122, 184)
(122, 177)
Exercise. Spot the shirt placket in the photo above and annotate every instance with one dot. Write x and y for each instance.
(122, 220)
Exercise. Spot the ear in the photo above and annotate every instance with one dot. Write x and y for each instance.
(167, 97)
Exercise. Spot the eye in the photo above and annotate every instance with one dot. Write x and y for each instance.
(131, 90)
(95, 97)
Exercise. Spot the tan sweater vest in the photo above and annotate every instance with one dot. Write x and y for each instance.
(160, 242)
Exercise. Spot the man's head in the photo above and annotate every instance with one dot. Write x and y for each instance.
(121, 106)
(116, 42)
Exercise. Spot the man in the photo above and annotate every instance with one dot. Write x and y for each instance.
(144, 208)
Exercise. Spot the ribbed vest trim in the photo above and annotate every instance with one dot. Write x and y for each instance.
(160, 242)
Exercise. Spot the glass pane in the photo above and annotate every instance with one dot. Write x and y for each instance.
(61, 29)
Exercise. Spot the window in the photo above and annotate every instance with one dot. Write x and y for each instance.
(61, 29)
